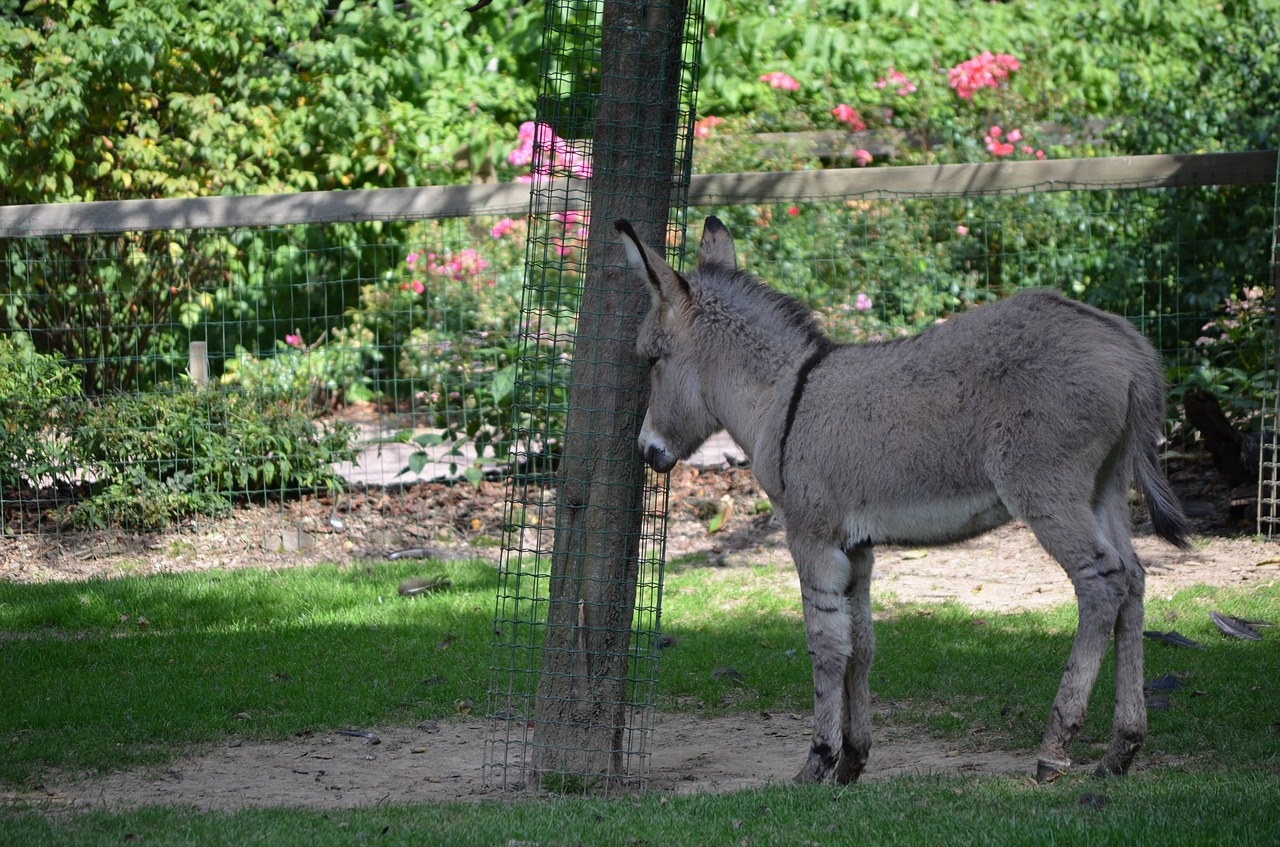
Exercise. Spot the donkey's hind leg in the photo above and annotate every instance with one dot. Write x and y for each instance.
(1129, 725)
(857, 688)
(825, 573)
(1073, 536)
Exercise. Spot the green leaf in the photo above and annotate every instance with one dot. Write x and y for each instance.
(503, 383)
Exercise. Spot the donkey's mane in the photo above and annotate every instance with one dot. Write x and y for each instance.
(748, 296)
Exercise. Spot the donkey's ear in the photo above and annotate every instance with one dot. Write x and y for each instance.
(665, 285)
(717, 245)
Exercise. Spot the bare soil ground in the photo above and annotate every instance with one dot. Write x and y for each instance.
(439, 761)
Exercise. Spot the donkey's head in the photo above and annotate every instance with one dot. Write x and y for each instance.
(678, 420)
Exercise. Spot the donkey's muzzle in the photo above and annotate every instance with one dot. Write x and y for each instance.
(657, 457)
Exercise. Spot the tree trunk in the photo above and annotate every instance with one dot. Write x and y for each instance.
(583, 692)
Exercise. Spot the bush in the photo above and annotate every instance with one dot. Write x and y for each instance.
(40, 395)
(162, 456)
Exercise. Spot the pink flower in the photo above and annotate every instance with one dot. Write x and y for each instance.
(777, 79)
(1015, 135)
(793, 211)
(293, 340)
(982, 71)
(502, 227)
(861, 158)
(411, 259)
(417, 286)
(559, 156)
(961, 229)
(846, 114)
(702, 128)
(898, 78)
(995, 146)
(862, 303)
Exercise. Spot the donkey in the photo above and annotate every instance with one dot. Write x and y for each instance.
(1036, 407)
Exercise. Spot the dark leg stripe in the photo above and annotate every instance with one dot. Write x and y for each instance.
(824, 753)
(802, 377)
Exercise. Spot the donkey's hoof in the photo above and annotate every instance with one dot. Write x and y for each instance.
(847, 776)
(1047, 772)
(814, 770)
(1111, 766)
(808, 775)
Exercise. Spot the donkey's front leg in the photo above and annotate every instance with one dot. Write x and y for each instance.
(824, 580)
(857, 686)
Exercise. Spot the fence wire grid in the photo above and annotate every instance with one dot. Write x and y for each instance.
(330, 347)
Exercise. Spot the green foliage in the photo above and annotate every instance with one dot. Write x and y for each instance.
(1236, 362)
(165, 98)
(324, 374)
(1167, 77)
(169, 454)
(39, 393)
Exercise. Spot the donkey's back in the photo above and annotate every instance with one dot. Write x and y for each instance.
(1015, 408)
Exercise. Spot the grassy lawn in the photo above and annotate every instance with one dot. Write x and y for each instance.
(119, 673)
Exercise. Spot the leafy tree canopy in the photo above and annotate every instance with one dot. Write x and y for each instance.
(108, 99)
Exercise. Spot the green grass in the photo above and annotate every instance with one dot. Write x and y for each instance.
(269, 654)
(1167, 810)
(255, 653)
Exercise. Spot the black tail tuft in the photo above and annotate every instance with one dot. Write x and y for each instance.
(1167, 517)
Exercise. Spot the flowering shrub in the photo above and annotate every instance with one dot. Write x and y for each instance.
(1232, 351)
(551, 155)
(1000, 143)
(849, 116)
(897, 79)
(781, 81)
(702, 128)
(986, 70)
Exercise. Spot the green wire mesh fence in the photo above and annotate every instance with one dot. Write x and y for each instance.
(321, 341)
(155, 379)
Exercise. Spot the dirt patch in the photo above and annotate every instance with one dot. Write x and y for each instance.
(442, 761)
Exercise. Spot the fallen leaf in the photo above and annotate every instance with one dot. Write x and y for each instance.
(722, 514)
(915, 554)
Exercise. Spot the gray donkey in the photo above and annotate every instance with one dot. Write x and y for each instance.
(1036, 407)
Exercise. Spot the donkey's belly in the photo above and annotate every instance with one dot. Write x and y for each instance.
(930, 522)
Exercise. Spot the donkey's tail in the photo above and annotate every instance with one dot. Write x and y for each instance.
(1167, 517)
(1146, 423)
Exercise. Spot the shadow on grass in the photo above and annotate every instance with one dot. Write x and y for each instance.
(110, 673)
(271, 654)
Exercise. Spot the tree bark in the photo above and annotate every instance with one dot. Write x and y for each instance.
(583, 692)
